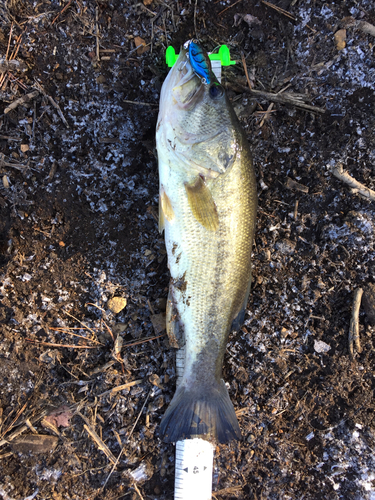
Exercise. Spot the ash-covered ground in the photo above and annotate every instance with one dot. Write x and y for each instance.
(78, 201)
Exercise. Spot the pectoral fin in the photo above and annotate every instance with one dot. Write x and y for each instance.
(202, 204)
(165, 209)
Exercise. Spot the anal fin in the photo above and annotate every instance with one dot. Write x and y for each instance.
(240, 317)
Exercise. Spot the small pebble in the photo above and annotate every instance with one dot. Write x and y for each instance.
(320, 346)
(116, 304)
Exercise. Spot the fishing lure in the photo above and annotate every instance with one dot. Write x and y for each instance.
(200, 62)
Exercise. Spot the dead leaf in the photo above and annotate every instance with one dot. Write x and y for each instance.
(60, 417)
(158, 322)
(147, 2)
(141, 45)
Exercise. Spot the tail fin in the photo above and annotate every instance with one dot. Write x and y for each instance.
(205, 413)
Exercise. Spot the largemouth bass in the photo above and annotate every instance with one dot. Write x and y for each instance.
(207, 209)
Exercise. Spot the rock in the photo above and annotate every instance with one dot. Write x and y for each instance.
(116, 304)
(340, 39)
(119, 328)
(368, 301)
(285, 246)
(321, 347)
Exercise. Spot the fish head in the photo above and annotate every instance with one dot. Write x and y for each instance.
(196, 120)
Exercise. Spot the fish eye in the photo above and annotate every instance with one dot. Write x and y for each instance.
(216, 91)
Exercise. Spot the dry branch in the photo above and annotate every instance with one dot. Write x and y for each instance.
(288, 98)
(354, 323)
(357, 187)
(121, 387)
(54, 103)
(21, 100)
(350, 22)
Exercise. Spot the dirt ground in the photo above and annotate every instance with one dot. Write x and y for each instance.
(78, 201)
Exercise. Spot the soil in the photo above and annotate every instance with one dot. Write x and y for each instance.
(78, 226)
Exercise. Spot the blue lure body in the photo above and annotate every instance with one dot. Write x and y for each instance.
(200, 62)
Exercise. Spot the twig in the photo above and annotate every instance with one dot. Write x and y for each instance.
(64, 345)
(266, 114)
(120, 388)
(21, 100)
(280, 10)
(357, 187)
(229, 7)
(139, 103)
(97, 33)
(146, 339)
(10, 38)
(354, 323)
(101, 445)
(81, 322)
(245, 69)
(54, 103)
(137, 490)
(66, 330)
(63, 10)
(16, 418)
(18, 166)
(17, 47)
(287, 98)
(109, 330)
(8, 138)
(20, 430)
(127, 439)
(195, 19)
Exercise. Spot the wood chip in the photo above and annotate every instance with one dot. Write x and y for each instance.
(34, 443)
(5, 182)
(291, 184)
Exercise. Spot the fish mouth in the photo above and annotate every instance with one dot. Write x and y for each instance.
(185, 86)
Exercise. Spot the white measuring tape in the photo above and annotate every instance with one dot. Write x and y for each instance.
(193, 480)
